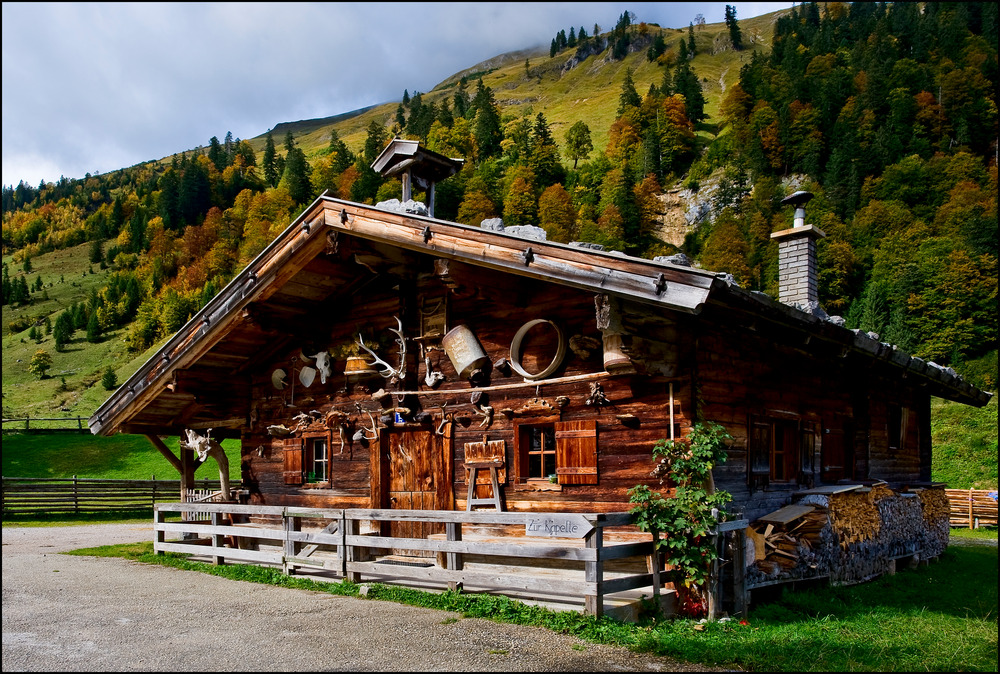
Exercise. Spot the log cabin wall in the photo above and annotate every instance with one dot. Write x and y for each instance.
(800, 412)
(625, 414)
(801, 416)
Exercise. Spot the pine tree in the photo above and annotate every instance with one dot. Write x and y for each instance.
(271, 174)
(735, 35)
(109, 380)
(93, 329)
(692, 50)
(629, 97)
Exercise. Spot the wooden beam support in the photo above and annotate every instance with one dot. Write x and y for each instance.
(165, 451)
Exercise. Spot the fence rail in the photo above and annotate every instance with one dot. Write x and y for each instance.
(973, 508)
(45, 425)
(44, 496)
(589, 567)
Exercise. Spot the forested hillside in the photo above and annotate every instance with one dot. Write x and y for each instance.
(887, 113)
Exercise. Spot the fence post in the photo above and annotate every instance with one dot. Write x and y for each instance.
(291, 524)
(970, 510)
(739, 572)
(594, 573)
(217, 539)
(159, 518)
(351, 528)
(76, 496)
(453, 560)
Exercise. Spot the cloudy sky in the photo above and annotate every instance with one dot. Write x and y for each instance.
(97, 87)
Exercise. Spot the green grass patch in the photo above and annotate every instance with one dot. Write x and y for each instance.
(118, 457)
(941, 617)
(965, 444)
(982, 534)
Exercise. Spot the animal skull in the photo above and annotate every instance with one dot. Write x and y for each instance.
(206, 447)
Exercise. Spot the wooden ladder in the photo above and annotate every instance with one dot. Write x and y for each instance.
(472, 472)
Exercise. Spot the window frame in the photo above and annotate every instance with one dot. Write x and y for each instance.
(780, 451)
(576, 459)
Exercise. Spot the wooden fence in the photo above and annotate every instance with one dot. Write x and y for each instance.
(554, 556)
(45, 425)
(45, 496)
(973, 508)
(336, 547)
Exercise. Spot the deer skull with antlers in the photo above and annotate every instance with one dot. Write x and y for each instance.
(394, 374)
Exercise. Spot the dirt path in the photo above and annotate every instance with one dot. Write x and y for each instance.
(63, 613)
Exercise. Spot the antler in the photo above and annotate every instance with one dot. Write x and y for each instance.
(390, 372)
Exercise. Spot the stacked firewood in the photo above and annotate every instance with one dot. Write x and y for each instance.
(854, 517)
(850, 534)
(790, 539)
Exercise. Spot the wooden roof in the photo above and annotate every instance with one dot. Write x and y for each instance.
(201, 377)
(426, 166)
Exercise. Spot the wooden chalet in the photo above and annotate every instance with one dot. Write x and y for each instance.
(808, 402)
(549, 370)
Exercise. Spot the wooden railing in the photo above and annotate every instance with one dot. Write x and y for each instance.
(46, 496)
(335, 546)
(45, 425)
(973, 508)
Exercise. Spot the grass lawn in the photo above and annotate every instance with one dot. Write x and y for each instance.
(118, 457)
(965, 444)
(941, 617)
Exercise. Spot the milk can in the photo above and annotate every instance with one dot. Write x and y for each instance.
(464, 351)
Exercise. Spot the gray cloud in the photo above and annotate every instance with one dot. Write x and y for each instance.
(96, 87)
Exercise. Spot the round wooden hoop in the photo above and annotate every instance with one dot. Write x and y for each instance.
(515, 351)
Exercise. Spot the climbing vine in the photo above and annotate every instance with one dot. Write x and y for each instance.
(687, 517)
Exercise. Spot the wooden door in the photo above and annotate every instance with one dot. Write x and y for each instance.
(415, 473)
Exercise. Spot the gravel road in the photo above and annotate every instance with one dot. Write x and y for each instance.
(63, 613)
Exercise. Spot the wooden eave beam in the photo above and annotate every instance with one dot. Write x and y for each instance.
(761, 307)
(683, 291)
(264, 276)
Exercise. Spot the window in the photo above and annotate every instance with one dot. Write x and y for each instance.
(307, 459)
(551, 452)
(780, 451)
(898, 419)
(318, 460)
(541, 441)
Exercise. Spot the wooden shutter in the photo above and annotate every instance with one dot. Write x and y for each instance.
(293, 450)
(576, 452)
(759, 454)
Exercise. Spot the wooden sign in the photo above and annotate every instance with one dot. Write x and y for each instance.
(558, 526)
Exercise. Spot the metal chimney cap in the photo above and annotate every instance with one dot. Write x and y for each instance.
(799, 198)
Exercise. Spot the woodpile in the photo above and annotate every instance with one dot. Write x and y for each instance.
(849, 533)
(972, 507)
(789, 540)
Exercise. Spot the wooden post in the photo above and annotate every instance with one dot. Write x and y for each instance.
(350, 528)
(971, 522)
(159, 517)
(594, 573)
(292, 524)
(713, 578)
(453, 560)
(187, 480)
(76, 498)
(739, 573)
(217, 543)
(656, 568)
(407, 180)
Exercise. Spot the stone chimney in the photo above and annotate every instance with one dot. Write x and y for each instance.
(798, 285)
